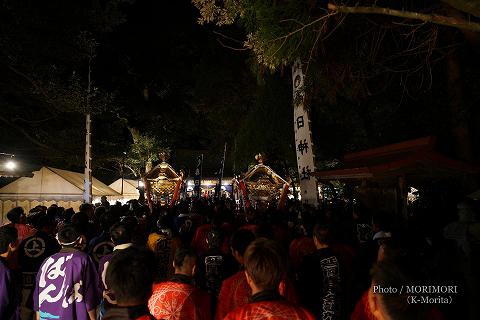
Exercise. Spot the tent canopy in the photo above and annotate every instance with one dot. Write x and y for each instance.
(53, 184)
(129, 187)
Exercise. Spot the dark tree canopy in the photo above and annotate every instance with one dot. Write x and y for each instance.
(372, 80)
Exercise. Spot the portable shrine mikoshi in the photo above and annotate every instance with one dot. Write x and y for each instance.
(164, 184)
(260, 186)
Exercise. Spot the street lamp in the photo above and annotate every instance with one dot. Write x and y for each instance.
(141, 191)
(10, 165)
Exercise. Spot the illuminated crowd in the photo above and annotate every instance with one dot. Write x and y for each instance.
(207, 259)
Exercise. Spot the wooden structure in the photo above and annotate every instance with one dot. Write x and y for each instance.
(389, 170)
(162, 181)
(259, 185)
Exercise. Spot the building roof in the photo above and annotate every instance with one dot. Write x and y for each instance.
(262, 171)
(416, 159)
(162, 171)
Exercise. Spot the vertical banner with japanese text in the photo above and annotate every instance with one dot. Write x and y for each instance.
(303, 138)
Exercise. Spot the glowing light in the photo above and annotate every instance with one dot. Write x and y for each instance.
(10, 165)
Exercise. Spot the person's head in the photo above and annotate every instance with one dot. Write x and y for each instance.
(46, 223)
(100, 211)
(88, 209)
(380, 222)
(466, 210)
(239, 243)
(130, 220)
(80, 218)
(163, 222)
(130, 276)
(322, 236)
(68, 214)
(33, 218)
(106, 220)
(121, 233)
(388, 306)
(265, 264)
(16, 215)
(103, 199)
(53, 211)
(8, 240)
(214, 239)
(185, 261)
(69, 236)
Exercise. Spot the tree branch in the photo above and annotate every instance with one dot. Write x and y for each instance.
(432, 18)
(29, 79)
(231, 48)
(227, 37)
(25, 133)
(467, 6)
(34, 122)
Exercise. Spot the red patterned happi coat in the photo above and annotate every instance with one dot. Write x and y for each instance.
(177, 301)
(299, 248)
(270, 310)
(236, 292)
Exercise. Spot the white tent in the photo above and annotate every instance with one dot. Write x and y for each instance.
(48, 186)
(475, 195)
(130, 190)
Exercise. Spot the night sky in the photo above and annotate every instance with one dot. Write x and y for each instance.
(175, 80)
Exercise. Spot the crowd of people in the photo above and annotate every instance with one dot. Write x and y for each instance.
(204, 260)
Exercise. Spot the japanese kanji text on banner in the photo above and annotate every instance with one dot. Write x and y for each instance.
(303, 138)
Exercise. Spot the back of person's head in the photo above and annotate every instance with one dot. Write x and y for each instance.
(214, 238)
(53, 211)
(121, 233)
(130, 220)
(86, 207)
(185, 258)
(323, 234)
(466, 210)
(100, 211)
(15, 214)
(106, 220)
(68, 214)
(265, 263)
(142, 211)
(68, 235)
(164, 222)
(241, 239)
(395, 274)
(380, 221)
(130, 276)
(392, 249)
(8, 236)
(80, 218)
(45, 222)
(33, 218)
